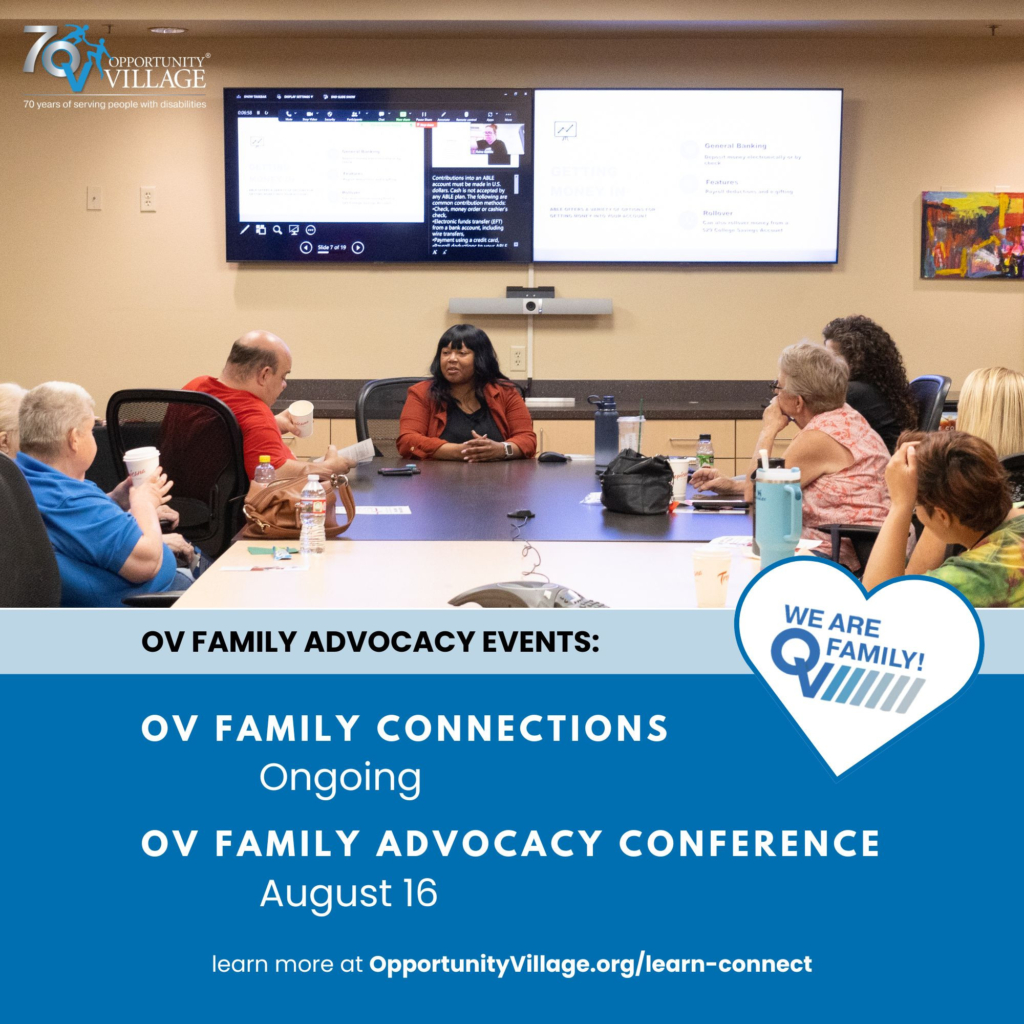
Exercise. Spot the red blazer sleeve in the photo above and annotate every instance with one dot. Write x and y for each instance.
(520, 422)
(418, 413)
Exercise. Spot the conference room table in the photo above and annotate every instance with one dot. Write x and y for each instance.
(470, 501)
(420, 540)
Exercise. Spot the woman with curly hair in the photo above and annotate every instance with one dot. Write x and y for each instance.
(878, 388)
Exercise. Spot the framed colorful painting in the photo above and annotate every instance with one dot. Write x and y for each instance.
(972, 234)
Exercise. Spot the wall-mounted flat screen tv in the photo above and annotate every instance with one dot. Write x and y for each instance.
(686, 175)
(368, 175)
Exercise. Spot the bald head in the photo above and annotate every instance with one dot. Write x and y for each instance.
(258, 363)
(252, 351)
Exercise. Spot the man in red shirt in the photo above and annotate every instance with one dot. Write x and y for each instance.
(252, 380)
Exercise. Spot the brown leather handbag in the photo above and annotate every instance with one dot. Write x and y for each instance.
(272, 512)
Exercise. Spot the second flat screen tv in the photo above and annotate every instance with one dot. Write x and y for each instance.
(686, 175)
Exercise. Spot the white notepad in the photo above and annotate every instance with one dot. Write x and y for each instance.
(378, 510)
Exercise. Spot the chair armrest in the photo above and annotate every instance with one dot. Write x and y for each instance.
(850, 529)
(161, 600)
(839, 531)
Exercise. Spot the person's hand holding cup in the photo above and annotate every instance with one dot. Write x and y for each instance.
(154, 490)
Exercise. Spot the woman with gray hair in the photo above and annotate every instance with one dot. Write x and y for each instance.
(841, 459)
(10, 402)
(105, 550)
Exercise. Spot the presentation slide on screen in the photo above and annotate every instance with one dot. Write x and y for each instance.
(687, 175)
(378, 175)
(330, 171)
(800, 809)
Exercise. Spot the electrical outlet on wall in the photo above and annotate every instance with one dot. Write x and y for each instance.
(147, 198)
(518, 357)
(93, 197)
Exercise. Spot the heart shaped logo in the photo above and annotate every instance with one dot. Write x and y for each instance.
(856, 670)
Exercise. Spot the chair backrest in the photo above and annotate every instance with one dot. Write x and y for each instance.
(929, 393)
(1014, 465)
(29, 577)
(105, 472)
(378, 408)
(201, 450)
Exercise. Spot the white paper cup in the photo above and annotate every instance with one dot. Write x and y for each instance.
(680, 475)
(302, 416)
(711, 568)
(141, 463)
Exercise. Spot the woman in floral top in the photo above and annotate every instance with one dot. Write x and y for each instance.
(841, 459)
(962, 496)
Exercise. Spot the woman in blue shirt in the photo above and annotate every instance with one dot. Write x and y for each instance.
(104, 551)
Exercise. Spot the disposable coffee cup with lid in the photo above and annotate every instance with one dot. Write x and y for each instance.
(141, 464)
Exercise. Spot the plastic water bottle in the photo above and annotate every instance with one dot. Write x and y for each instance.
(312, 514)
(606, 430)
(705, 452)
(264, 475)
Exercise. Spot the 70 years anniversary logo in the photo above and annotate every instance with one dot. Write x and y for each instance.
(62, 58)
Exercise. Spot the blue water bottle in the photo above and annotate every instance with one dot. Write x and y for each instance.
(606, 430)
(780, 513)
(772, 464)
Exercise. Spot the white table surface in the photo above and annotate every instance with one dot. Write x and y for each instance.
(425, 574)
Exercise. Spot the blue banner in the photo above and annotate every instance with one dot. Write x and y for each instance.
(394, 847)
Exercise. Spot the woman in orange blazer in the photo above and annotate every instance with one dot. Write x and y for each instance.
(469, 411)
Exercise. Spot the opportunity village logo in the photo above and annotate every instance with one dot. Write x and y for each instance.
(62, 58)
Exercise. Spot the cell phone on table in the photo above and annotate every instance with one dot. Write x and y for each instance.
(717, 504)
(399, 471)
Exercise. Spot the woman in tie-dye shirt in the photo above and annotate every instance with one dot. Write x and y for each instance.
(961, 493)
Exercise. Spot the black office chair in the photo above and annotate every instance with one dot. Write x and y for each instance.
(861, 537)
(201, 450)
(378, 408)
(1014, 465)
(929, 393)
(105, 472)
(29, 577)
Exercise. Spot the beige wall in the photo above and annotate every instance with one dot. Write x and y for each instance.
(119, 298)
(710, 13)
